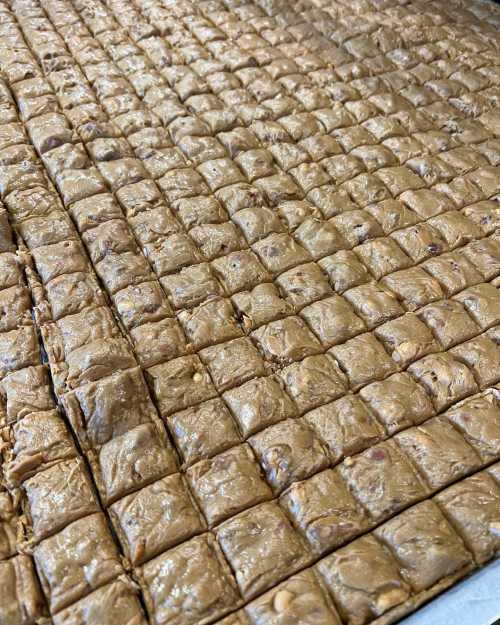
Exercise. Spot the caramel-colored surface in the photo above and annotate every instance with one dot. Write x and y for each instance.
(249, 308)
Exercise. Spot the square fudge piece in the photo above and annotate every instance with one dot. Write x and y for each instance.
(189, 584)
(398, 402)
(439, 452)
(155, 518)
(437, 554)
(233, 363)
(304, 284)
(407, 339)
(345, 426)
(478, 418)
(9, 525)
(55, 497)
(382, 256)
(344, 270)
(132, 460)
(473, 508)
(114, 602)
(18, 349)
(22, 600)
(449, 322)
(258, 404)
(453, 272)
(314, 381)
(364, 580)
(100, 411)
(262, 548)
(374, 304)
(261, 305)
(383, 480)
(294, 602)
(40, 440)
(482, 302)
(213, 321)
(324, 511)
(364, 360)
(180, 383)
(228, 483)
(239, 271)
(202, 431)
(279, 252)
(445, 378)
(482, 356)
(191, 286)
(158, 342)
(25, 391)
(333, 320)
(484, 254)
(288, 451)
(77, 560)
(286, 340)
(413, 287)
(420, 242)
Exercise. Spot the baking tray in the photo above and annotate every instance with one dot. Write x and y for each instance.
(474, 601)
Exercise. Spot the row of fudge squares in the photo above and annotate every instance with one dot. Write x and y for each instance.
(328, 508)
(315, 378)
(383, 572)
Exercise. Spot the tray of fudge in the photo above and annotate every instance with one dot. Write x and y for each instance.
(249, 312)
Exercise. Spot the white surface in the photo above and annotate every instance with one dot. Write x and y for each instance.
(474, 601)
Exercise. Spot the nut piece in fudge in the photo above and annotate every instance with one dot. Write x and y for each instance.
(56, 497)
(364, 360)
(425, 545)
(108, 408)
(364, 580)
(180, 383)
(262, 547)
(22, 601)
(259, 403)
(202, 431)
(439, 452)
(398, 402)
(155, 518)
(288, 451)
(189, 584)
(473, 508)
(228, 483)
(345, 426)
(233, 363)
(324, 511)
(77, 560)
(444, 378)
(132, 460)
(313, 381)
(383, 480)
(115, 602)
(300, 600)
(478, 419)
